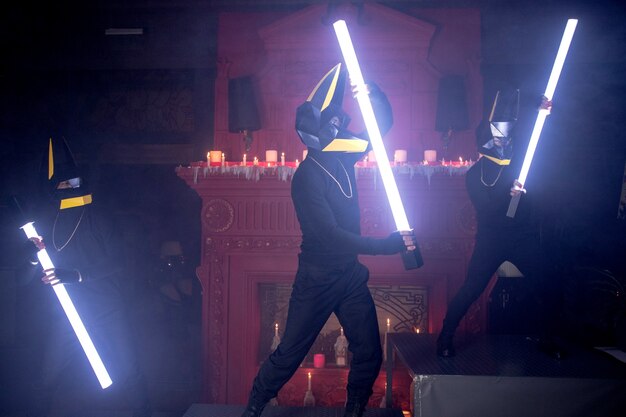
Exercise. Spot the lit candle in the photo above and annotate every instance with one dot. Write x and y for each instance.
(271, 155)
(215, 156)
(341, 330)
(399, 156)
(297, 163)
(276, 329)
(309, 381)
(244, 160)
(282, 158)
(388, 324)
(208, 157)
(223, 158)
(417, 330)
(461, 160)
(430, 155)
(256, 161)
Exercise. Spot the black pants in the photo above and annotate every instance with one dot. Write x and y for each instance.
(317, 292)
(490, 251)
(113, 339)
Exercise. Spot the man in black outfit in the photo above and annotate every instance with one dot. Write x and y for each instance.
(330, 278)
(491, 183)
(89, 260)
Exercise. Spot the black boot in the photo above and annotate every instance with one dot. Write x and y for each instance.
(253, 410)
(550, 347)
(354, 409)
(355, 405)
(445, 345)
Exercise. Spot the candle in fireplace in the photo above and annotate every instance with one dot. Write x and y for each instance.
(309, 399)
(275, 339)
(341, 349)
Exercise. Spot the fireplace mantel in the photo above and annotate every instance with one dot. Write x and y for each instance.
(251, 236)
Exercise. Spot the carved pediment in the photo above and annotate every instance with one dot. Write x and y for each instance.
(373, 25)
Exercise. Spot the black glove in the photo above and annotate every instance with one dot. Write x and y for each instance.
(394, 243)
(62, 276)
(29, 253)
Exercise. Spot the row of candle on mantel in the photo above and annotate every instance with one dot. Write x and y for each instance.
(271, 157)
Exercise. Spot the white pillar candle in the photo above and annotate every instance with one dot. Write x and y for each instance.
(400, 155)
(271, 156)
(430, 155)
(215, 156)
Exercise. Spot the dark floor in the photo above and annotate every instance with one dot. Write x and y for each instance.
(167, 338)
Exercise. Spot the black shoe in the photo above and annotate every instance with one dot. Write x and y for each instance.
(253, 410)
(445, 345)
(354, 410)
(550, 348)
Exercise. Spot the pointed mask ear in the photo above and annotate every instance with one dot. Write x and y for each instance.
(329, 90)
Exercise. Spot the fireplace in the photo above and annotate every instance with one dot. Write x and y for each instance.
(250, 243)
(405, 307)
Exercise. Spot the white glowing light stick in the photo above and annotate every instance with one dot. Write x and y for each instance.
(566, 40)
(68, 306)
(356, 78)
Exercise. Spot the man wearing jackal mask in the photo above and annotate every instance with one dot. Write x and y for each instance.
(330, 279)
(88, 256)
(490, 184)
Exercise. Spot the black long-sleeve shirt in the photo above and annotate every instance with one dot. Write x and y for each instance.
(325, 198)
(488, 185)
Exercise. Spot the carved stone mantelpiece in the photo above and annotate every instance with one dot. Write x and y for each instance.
(251, 238)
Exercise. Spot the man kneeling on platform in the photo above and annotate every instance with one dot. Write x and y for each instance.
(491, 183)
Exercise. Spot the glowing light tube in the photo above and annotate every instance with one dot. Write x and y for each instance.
(411, 259)
(391, 188)
(77, 324)
(566, 40)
